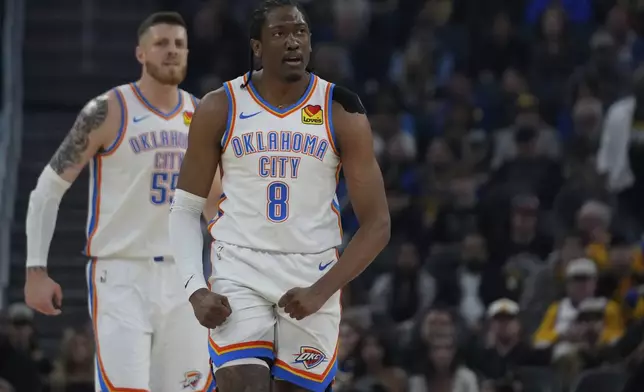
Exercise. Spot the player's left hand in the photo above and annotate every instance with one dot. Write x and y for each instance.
(300, 302)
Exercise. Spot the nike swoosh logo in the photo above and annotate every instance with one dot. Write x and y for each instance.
(322, 267)
(186, 285)
(138, 119)
(243, 116)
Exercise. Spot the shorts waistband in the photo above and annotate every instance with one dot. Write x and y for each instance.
(155, 259)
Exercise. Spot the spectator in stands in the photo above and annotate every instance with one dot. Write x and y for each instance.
(631, 347)
(503, 350)
(219, 47)
(588, 345)
(582, 183)
(619, 27)
(17, 369)
(525, 155)
(350, 335)
(407, 291)
(525, 236)
(558, 324)
(548, 284)
(587, 114)
(436, 176)
(602, 73)
(474, 259)
(22, 336)
(516, 251)
(593, 221)
(437, 323)
(554, 57)
(624, 270)
(374, 366)
(442, 370)
(414, 72)
(501, 50)
(459, 215)
(620, 156)
(74, 368)
(333, 62)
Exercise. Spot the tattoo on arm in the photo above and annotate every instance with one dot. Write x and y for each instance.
(70, 152)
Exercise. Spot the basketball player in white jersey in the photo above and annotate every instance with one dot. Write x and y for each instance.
(134, 138)
(280, 136)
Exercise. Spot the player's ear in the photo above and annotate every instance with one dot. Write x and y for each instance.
(140, 57)
(256, 46)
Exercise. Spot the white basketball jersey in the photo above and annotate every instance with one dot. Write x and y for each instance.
(280, 172)
(132, 182)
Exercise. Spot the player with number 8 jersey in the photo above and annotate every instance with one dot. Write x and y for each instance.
(280, 171)
(279, 136)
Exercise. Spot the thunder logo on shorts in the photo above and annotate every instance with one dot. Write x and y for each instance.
(310, 357)
(191, 380)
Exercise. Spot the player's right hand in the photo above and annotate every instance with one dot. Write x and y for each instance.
(42, 293)
(211, 309)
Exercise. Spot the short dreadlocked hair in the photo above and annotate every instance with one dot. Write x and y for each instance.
(257, 22)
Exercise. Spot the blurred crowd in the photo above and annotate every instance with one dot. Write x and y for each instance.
(510, 135)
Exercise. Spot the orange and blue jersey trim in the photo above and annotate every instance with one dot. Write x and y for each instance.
(232, 113)
(220, 212)
(210, 385)
(281, 113)
(256, 349)
(335, 206)
(103, 380)
(330, 130)
(122, 126)
(144, 101)
(95, 170)
(310, 381)
(195, 101)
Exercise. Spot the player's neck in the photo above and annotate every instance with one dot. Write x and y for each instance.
(161, 96)
(279, 93)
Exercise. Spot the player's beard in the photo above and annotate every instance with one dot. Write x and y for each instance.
(173, 78)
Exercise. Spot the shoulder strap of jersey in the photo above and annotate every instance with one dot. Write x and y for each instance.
(328, 89)
(189, 97)
(124, 120)
(230, 87)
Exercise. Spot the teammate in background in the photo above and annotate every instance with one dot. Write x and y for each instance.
(134, 137)
(280, 135)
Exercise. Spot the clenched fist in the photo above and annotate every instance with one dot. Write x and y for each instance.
(210, 308)
(301, 302)
(42, 293)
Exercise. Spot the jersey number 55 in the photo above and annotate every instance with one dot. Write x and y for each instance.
(163, 186)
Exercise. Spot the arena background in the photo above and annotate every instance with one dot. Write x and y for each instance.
(488, 118)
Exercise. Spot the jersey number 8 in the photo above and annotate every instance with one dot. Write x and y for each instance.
(163, 186)
(277, 206)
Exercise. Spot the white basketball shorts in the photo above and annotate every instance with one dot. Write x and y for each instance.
(303, 352)
(147, 336)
